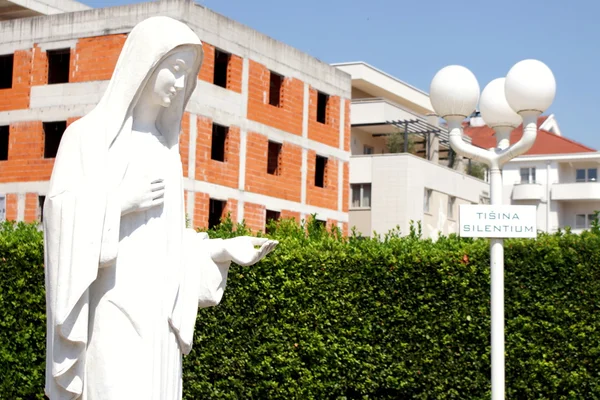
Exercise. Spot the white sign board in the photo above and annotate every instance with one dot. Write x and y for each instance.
(503, 221)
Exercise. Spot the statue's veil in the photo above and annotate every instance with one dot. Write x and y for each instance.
(74, 213)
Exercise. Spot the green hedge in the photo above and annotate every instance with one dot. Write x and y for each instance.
(327, 317)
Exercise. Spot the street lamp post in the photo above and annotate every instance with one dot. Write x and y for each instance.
(526, 92)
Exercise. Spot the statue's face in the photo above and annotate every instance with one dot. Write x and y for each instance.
(169, 78)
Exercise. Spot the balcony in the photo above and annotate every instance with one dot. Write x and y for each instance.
(379, 111)
(528, 191)
(576, 191)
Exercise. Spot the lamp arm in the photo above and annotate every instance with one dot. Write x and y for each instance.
(526, 141)
(465, 149)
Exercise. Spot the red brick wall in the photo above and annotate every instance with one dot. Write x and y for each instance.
(31, 207)
(254, 215)
(286, 214)
(11, 207)
(184, 143)
(201, 210)
(346, 187)
(25, 154)
(287, 185)
(17, 97)
(234, 70)
(39, 71)
(327, 196)
(328, 133)
(217, 172)
(95, 58)
(231, 208)
(288, 117)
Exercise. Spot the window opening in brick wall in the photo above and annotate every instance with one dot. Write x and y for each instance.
(215, 212)
(221, 68)
(2, 208)
(41, 201)
(274, 157)
(58, 66)
(4, 133)
(6, 70)
(320, 171)
(275, 82)
(322, 100)
(53, 132)
(219, 138)
(271, 216)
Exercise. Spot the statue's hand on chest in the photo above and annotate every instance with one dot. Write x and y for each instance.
(138, 195)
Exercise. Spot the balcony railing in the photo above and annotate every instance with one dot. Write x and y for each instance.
(576, 191)
(528, 191)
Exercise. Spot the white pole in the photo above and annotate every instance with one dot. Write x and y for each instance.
(525, 93)
(497, 295)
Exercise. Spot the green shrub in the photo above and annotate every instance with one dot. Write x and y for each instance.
(22, 312)
(328, 317)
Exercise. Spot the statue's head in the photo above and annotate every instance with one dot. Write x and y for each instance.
(170, 76)
(161, 58)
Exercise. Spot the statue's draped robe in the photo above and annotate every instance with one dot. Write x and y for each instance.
(123, 292)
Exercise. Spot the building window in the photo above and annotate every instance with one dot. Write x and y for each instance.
(426, 200)
(58, 66)
(361, 195)
(271, 216)
(322, 100)
(221, 68)
(41, 201)
(273, 158)
(4, 132)
(528, 175)
(275, 83)
(451, 202)
(320, 171)
(2, 208)
(215, 212)
(6, 71)
(368, 149)
(219, 138)
(53, 132)
(583, 221)
(586, 175)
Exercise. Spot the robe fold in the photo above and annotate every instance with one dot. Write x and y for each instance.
(122, 292)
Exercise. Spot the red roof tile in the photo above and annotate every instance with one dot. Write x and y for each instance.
(545, 142)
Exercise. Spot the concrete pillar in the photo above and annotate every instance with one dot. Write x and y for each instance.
(433, 140)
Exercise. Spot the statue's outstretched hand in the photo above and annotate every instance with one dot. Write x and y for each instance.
(242, 249)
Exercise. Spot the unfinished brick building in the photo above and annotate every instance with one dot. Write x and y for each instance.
(265, 135)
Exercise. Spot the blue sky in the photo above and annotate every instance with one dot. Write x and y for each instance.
(412, 40)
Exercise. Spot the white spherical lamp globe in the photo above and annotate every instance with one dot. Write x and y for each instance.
(454, 91)
(530, 86)
(494, 108)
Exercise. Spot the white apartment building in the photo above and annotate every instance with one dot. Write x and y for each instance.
(557, 175)
(412, 183)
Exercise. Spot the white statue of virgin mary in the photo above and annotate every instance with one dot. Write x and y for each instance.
(124, 277)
